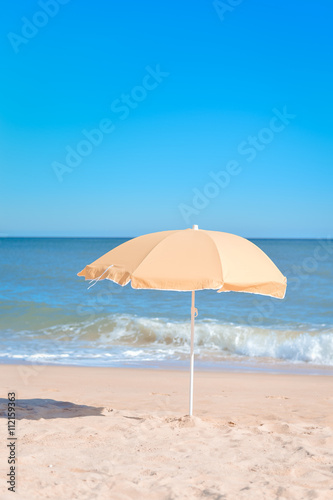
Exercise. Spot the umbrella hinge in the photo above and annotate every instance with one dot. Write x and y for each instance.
(195, 311)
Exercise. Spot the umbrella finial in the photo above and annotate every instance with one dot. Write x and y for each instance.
(195, 227)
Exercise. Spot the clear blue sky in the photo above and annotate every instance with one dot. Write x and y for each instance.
(182, 89)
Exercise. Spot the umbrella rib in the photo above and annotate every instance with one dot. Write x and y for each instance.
(218, 253)
(150, 251)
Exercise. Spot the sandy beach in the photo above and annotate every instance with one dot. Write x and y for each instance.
(124, 434)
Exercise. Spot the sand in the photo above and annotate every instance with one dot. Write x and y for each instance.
(113, 433)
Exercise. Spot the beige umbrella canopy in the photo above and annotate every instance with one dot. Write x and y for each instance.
(189, 260)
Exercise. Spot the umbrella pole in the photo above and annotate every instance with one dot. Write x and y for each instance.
(194, 312)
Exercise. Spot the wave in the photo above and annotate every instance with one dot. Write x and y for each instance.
(130, 337)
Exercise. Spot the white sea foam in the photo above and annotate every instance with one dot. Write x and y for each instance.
(313, 346)
(127, 337)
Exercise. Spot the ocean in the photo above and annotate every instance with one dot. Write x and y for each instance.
(48, 315)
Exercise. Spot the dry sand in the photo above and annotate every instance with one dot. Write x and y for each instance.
(113, 433)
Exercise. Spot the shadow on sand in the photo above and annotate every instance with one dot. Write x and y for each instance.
(35, 409)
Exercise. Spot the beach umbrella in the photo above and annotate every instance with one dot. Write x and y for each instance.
(190, 260)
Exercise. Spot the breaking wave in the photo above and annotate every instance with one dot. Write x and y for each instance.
(127, 337)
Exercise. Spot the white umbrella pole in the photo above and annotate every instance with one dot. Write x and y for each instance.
(194, 313)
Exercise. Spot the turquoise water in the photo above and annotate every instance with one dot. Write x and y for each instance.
(48, 314)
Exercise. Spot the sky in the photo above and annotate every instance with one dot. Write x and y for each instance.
(121, 118)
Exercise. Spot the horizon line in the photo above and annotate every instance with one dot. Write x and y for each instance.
(2, 236)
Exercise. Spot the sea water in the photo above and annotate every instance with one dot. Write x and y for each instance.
(48, 315)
